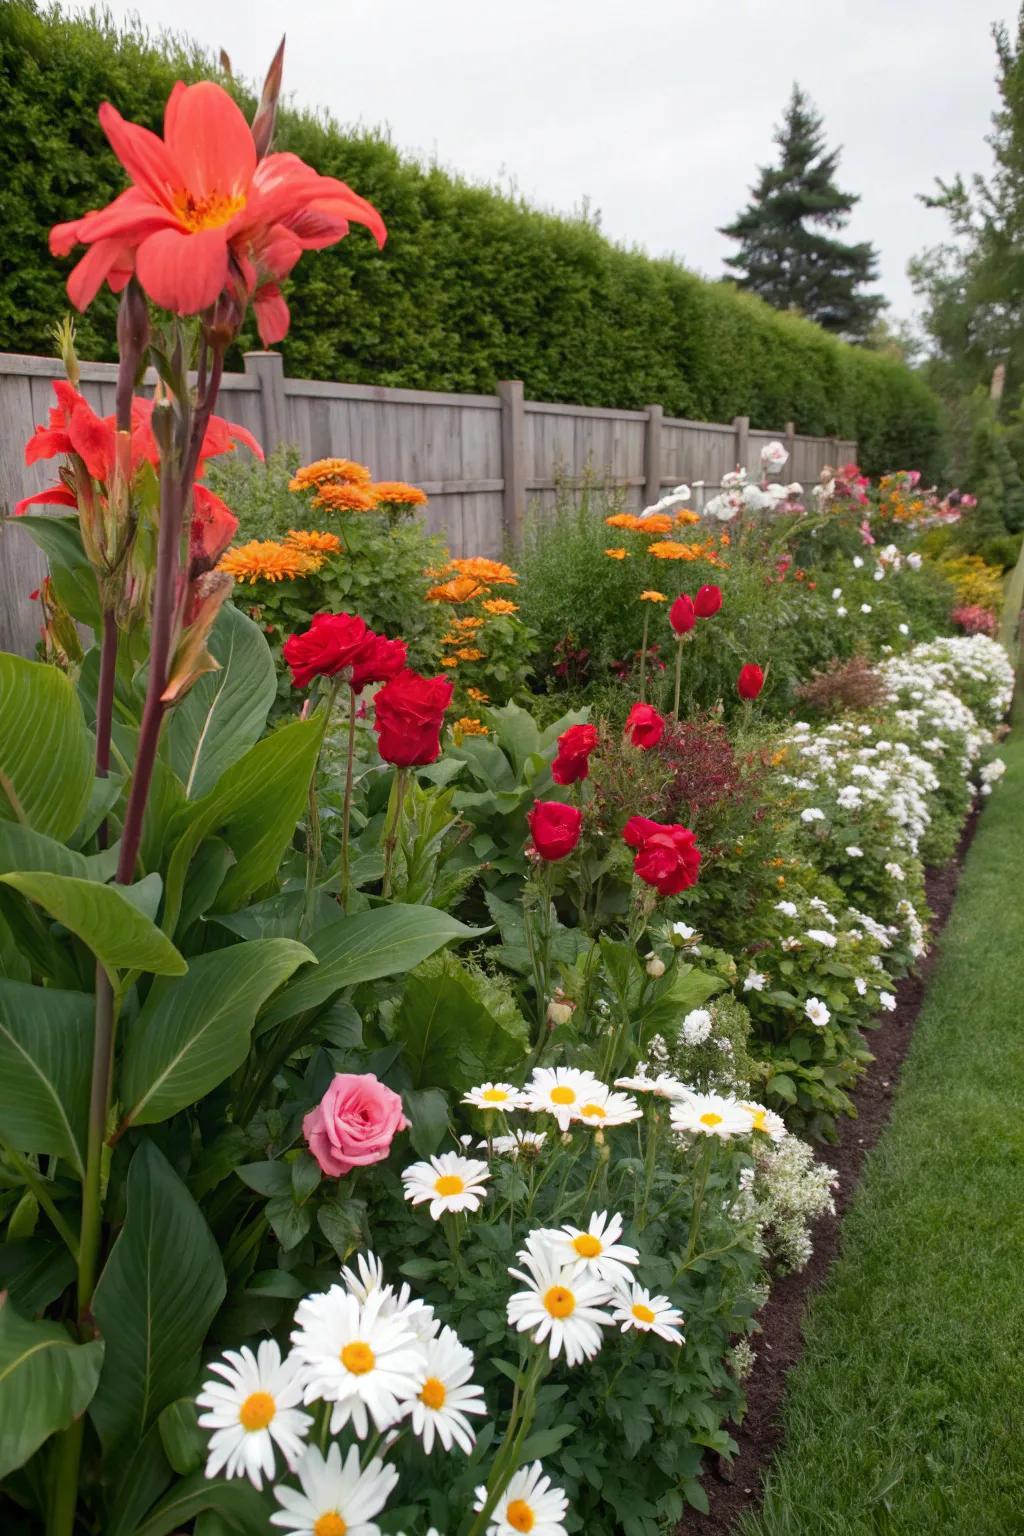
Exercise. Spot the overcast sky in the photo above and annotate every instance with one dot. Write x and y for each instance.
(656, 111)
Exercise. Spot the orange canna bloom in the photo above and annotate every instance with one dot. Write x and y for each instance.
(397, 494)
(500, 605)
(328, 471)
(313, 541)
(266, 560)
(461, 589)
(340, 497)
(616, 554)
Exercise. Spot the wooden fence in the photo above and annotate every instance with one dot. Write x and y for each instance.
(482, 459)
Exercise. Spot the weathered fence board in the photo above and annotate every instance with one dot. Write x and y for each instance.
(482, 459)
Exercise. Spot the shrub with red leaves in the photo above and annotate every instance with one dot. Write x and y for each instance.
(975, 620)
(842, 685)
(708, 785)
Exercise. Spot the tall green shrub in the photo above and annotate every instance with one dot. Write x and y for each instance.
(471, 287)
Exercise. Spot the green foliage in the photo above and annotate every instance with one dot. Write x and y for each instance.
(471, 287)
(46, 1380)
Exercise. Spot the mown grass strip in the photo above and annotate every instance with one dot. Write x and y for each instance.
(906, 1413)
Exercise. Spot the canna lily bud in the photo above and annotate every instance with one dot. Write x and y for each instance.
(266, 112)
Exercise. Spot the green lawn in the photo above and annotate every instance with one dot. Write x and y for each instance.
(906, 1414)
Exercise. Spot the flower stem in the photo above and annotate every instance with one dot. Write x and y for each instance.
(99, 1101)
(105, 704)
(698, 1198)
(679, 676)
(394, 825)
(643, 653)
(346, 815)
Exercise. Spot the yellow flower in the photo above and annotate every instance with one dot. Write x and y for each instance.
(345, 498)
(396, 493)
(478, 696)
(499, 605)
(616, 554)
(266, 560)
(470, 653)
(328, 471)
(313, 541)
(653, 597)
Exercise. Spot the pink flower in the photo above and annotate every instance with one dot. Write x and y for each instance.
(354, 1124)
(865, 532)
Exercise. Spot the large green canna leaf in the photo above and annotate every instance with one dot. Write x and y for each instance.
(45, 1070)
(457, 1027)
(158, 1293)
(119, 935)
(242, 1508)
(382, 942)
(194, 1030)
(22, 850)
(74, 579)
(46, 752)
(225, 713)
(46, 1381)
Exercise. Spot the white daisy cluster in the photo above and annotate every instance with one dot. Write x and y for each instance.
(785, 1192)
(974, 667)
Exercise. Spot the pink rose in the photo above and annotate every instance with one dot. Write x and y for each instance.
(354, 1124)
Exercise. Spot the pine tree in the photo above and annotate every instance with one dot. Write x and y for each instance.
(787, 254)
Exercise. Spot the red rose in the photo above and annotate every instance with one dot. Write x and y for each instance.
(408, 715)
(644, 726)
(574, 748)
(330, 644)
(707, 602)
(750, 681)
(667, 856)
(682, 615)
(378, 661)
(555, 828)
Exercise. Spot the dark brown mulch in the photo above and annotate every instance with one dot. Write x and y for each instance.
(735, 1487)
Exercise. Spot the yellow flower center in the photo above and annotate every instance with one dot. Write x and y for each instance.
(206, 212)
(449, 1184)
(562, 1095)
(494, 1095)
(641, 1313)
(758, 1120)
(257, 1411)
(358, 1358)
(329, 1524)
(711, 1118)
(559, 1301)
(594, 1112)
(520, 1516)
(433, 1393)
(586, 1246)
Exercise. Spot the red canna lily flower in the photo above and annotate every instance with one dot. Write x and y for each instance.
(204, 213)
(214, 525)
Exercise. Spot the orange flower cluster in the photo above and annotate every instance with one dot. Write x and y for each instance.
(461, 589)
(657, 522)
(499, 605)
(395, 493)
(341, 485)
(468, 726)
(267, 560)
(344, 497)
(897, 503)
(313, 541)
(616, 554)
(672, 549)
(473, 577)
(329, 472)
(494, 572)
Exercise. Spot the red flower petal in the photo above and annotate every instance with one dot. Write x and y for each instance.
(209, 141)
(181, 271)
(54, 496)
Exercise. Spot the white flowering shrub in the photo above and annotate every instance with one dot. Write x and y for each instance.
(785, 1191)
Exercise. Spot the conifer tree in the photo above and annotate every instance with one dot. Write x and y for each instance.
(789, 251)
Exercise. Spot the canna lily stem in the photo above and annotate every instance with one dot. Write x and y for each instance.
(346, 814)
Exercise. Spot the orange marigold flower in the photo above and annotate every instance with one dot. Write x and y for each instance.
(671, 549)
(500, 605)
(468, 726)
(468, 623)
(653, 597)
(266, 560)
(687, 515)
(313, 541)
(470, 653)
(478, 696)
(340, 497)
(724, 540)
(623, 520)
(449, 661)
(494, 572)
(616, 554)
(396, 493)
(658, 522)
(461, 589)
(329, 471)
(451, 639)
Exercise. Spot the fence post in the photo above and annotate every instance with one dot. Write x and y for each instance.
(267, 368)
(652, 455)
(513, 456)
(834, 451)
(741, 428)
(791, 447)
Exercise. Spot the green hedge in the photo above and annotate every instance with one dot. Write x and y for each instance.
(471, 287)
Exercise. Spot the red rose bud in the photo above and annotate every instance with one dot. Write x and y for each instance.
(666, 857)
(682, 615)
(555, 828)
(574, 748)
(750, 681)
(707, 602)
(408, 714)
(644, 726)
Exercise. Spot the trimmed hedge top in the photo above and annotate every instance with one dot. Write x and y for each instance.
(472, 286)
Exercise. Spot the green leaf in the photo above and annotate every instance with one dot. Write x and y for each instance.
(270, 1178)
(278, 916)
(34, 1273)
(46, 1381)
(457, 1026)
(428, 1115)
(46, 752)
(184, 1443)
(290, 1222)
(103, 918)
(784, 1086)
(74, 579)
(383, 942)
(194, 1031)
(244, 1509)
(158, 1293)
(225, 713)
(45, 1070)
(21, 849)
(343, 1222)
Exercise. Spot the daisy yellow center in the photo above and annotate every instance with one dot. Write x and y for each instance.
(562, 1095)
(206, 212)
(594, 1111)
(494, 1095)
(758, 1120)
(433, 1393)
(358, 1358)
(329, 1524)
(520, 1516)
(641, 1313)
(449, 1184)
(257, 1411)
(587, 1246)
(711, 1118)
(559, 1301)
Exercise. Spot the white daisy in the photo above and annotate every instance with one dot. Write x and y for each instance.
(787, 908)
(594, 1250)
(837, 593)
(754, 981)
(817, 1012)
(530, 1503)
(558, 1305)
(649, 1314)
(887, 1001)
(822, 936)
(370, 1276)
(518, 1144)
(709, 1114)
(857, 562)
(417, 1314)
(604, 1108)
(560, 1090)
(501, 1096)
(449, 1182)
(860, 984)
(356, 1356)
(664, 1086)
(812, 813)
(683, 931)
(765, 1120)
(254, 1408)
(337, 1499)
(445, 1394)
